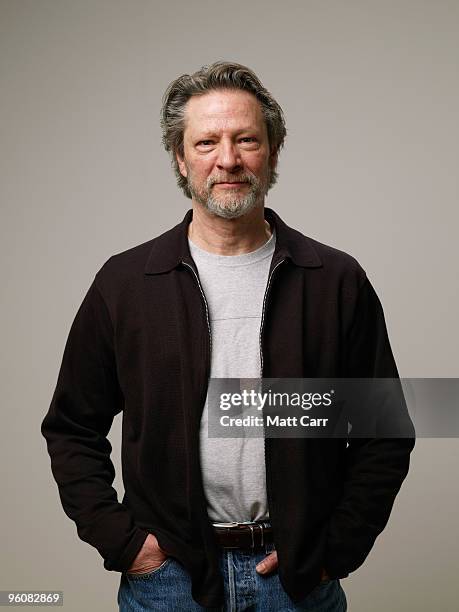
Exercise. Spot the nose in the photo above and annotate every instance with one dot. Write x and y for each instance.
(229, 158)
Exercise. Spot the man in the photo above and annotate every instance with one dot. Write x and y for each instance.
(230, 292)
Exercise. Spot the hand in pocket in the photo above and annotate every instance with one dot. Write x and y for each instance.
(149, 558)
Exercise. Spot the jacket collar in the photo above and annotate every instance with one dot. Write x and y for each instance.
(171, 248)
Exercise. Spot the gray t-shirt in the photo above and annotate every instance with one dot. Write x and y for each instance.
(234, 468)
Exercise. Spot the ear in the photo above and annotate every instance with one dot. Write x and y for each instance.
(181, 164)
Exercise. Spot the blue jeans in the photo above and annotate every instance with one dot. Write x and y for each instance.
(168, 589)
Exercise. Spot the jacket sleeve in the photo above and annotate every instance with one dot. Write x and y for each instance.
(85, 401)
(375, 467)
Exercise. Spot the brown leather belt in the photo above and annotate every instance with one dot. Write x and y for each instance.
(252, 535)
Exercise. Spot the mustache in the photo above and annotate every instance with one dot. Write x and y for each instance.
(244, 178)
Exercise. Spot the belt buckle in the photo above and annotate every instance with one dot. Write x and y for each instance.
(262, 531)
(246, 524)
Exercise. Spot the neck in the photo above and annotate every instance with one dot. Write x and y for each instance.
(228, 236)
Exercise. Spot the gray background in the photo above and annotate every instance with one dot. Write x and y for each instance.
(371, 96)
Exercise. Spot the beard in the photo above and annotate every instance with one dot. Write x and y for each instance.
(234, 203)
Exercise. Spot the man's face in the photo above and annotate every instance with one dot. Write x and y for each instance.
(227, 159)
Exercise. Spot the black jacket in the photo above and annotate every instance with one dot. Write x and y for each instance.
(140, 344)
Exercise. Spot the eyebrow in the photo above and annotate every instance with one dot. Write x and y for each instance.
(211, 134)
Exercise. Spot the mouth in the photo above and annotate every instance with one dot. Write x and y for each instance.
(232, 183)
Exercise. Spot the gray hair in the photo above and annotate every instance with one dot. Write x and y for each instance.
(220, 75)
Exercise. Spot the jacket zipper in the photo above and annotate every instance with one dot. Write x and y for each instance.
(207, 310)
(203, 401)
(263, 312)
(267, 464)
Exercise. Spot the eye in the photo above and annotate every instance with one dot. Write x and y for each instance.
(205, 143)
(248, 139)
